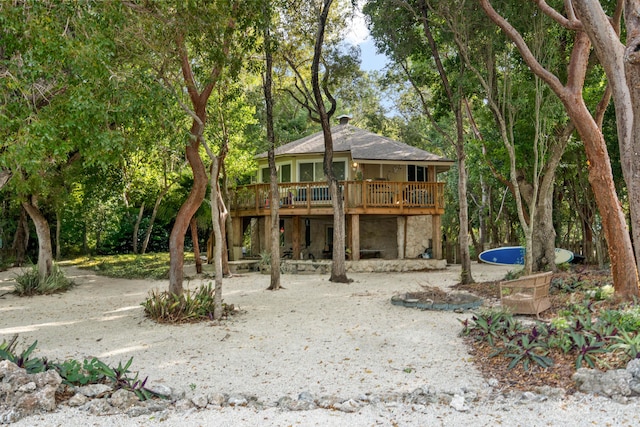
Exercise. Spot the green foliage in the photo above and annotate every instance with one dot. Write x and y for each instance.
(30, 283)
(127, 266)
(165, 307)
(627, 342)
(490, 325)
(587, 346)
(594, 336)
(23, 360)
(265, 258)
(73, 372)
(513, 274)
(627, 320)
(526, 349)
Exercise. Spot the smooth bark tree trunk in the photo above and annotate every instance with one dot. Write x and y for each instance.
(187, 210)
(196, 195)
(58, 226)
(455, 103)
(21, 239)
(338, 265)
(193, 225)
(136, 228)
(217, 246)
(154, 212)
(224, 216)
(267, 86)
(43, 231)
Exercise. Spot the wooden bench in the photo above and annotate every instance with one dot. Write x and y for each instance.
(527, 295)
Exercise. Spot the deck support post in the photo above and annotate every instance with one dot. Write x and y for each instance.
(296, 237)
(354, 237)
(265, 233)
(401, 236)
(436, 236)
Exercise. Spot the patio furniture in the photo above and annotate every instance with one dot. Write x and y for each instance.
(527, 294)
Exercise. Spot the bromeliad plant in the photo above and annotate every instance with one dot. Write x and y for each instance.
(196, 306)
(29, 283)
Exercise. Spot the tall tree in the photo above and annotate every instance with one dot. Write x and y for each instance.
(192, 45)
(267, 85)
(408, 36)
(510, 98)
(328, 68)
(338, 266)
(588, 21)
(59, 102)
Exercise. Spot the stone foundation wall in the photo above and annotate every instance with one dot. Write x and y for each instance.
(419, 232)
(363, 266)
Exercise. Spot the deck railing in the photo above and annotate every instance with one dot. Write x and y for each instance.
(357, 194)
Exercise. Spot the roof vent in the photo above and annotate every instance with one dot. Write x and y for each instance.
(344, 119)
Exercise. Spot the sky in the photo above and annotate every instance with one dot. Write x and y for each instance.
(359, 35)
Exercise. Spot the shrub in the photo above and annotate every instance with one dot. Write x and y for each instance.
(195, 306)
(29, 283)
(489, 325)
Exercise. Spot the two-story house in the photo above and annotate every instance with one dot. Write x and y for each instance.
(393, 201)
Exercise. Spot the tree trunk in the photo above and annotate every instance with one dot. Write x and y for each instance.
(223, 216)
(136, 227)
(614, 224)
(543, 242)
(199, 102)
(58, 226)
(21, 239)
(267, 85)
(455, 103)
(622, 67)
(186, 212)
(623, 264)
(217, 247)
(338, 265)
(154, 212)
(193, 224)
(45, 251)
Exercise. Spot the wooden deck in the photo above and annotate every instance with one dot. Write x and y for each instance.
(361, 197)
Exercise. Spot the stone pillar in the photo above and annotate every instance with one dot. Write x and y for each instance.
(436, 236)
(401, 235)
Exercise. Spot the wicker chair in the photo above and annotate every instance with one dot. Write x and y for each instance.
(527, 295)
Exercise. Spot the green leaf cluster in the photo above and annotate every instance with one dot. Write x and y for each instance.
(76, 373)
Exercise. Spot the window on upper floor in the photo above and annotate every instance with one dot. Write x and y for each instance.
(313, 171)
(284, 173)
(417, 173)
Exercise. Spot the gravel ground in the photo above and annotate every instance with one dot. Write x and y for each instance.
(341, 340)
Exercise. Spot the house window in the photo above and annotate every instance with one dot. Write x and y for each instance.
(284, 173)
(417, 173)
(313, 171)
